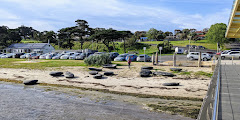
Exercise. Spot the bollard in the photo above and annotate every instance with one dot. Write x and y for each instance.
(174, 59)
(153, 59)
(156, 58)
(199, 59)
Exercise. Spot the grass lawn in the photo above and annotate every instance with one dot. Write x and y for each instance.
(43, 64)
(183, 43)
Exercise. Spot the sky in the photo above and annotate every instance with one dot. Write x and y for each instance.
(133, 15)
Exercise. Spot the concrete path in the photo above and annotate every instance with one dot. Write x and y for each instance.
(229, 100)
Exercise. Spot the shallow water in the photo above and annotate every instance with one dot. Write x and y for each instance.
(19, 102)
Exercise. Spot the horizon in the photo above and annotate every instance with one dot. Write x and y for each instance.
(134, 15)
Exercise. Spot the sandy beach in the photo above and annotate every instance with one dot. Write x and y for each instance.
(125, 80)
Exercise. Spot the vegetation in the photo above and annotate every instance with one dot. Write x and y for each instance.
(166, 47)
(98, 60)
(42, 64)
(201, 73)
(216, 34)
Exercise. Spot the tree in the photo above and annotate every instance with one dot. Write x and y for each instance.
(26, 32)
(216, 34)
(168, 33)
(161, 35)
(124, 35)
(152, 34)
(48, 35)
(65, 35)
(3, 36)
(81, 31)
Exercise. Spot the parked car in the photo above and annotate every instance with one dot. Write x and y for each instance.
(193, 46)
(82, 56)
(43, 56)
(121, 57)
(200, 47)
(24, 56)
(142, 57)
(37, 56)
(17, 55)
(49, 56)
(113, 55)
(67, 55)
(195, 56)
(73, 57)
(98, 53)
(229, 55)
(211, 53)
(9, 55)
(133, 57)
(3, 54)
(57, 56)
(30, 55)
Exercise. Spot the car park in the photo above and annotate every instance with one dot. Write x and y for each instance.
(30, 55)
(3, 55)
(43, 56)
(141, 58)
(200, 47)
(24, 56)
(49, 56)
(133, 57)
(195, 56)
(36, 56)
(121, 57)
(230, 55)
(17, 55)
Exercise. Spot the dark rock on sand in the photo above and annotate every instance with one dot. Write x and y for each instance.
(93, 72)
(95, 69)
(55, 73)
(30, 82)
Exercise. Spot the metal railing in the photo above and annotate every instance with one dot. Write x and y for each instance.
(209, 109)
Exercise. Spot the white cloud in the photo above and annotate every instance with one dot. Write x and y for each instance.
(55, 14)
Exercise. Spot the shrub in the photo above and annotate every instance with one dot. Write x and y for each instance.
(98, 60)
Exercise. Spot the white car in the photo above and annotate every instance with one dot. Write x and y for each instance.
(3, 55)
(67, 55)
(9, 55)
(43, 56)
(30, 55)
(50, 56)
(142, 57)
(73, 57)
(57, 56)
(195, 56)
(230, 54)
(24, 56)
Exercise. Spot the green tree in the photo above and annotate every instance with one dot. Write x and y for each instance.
(81, 31)
(152, 34)
(65, 36)
(124, 35)
(216, 34)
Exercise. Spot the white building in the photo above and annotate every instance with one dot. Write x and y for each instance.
(30, 47)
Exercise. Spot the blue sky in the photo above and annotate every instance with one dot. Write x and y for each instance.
(134, 15)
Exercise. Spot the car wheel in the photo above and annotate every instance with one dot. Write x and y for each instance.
(222, 57)
(191, 58)
(204, 59)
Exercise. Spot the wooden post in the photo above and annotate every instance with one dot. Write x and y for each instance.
(156, 59)
(199, 59)
(153, 59)
(174, 60)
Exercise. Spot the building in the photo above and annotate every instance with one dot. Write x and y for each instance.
(177, 31)
(30, 47)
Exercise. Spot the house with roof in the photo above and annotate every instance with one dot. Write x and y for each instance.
(30, 47)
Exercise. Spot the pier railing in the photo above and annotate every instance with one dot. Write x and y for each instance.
(209, 109)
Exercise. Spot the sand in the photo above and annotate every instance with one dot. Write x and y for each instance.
(125, 80)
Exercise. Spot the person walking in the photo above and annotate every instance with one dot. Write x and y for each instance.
(129, 62)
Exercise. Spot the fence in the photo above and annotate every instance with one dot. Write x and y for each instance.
(209, 109)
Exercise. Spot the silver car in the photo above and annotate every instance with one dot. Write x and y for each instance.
(24, 56)
(121, 57)
(67, 55)
(9, 55)
(57, 56)
(141, 58)
(230, 55)
(73, 57)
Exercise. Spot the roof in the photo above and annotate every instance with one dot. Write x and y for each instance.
(28, 45)
(200, 35)
(233, 29)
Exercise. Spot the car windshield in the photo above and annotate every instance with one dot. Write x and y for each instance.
(123, 55)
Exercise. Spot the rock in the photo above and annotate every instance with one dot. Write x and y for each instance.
(98, 76)
(110, 66)
(148, 68)
(170, 84)
(95, 69)
(30, 82)
(108, 73)
(93, 72)
(145, 73)
(69, 75)
(176, 69)
(164, 74)
(55, 73)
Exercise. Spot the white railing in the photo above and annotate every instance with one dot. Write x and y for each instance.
(209, 109)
